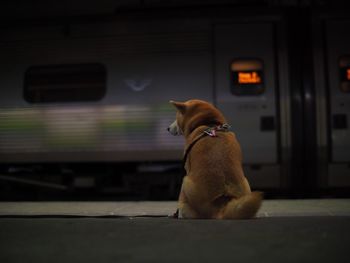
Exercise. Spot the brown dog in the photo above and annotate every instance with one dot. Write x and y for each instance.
(214, 185)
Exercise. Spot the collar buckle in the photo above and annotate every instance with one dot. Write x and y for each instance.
(211, 131)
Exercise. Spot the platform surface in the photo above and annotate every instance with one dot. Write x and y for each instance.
(284, 231)
(270, 208)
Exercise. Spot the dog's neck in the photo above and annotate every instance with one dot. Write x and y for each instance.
(199, 133)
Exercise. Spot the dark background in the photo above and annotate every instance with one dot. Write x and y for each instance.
(305, 165)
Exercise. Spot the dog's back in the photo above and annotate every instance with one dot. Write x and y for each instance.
(215, 166)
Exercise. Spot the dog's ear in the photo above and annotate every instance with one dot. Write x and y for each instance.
(179, 105)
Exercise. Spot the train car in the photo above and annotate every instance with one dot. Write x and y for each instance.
(331, 50)
(93, 90)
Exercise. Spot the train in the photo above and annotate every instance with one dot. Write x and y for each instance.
(94, 90)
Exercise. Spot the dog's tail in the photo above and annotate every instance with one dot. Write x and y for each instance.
(244, 207)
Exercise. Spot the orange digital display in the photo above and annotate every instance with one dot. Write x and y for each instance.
(345, 79)
(252, 77)
(247, 77)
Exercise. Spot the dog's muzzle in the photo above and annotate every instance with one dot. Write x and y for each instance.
(174, 129)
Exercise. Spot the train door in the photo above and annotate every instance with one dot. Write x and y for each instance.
(333, 92)
(248, 92)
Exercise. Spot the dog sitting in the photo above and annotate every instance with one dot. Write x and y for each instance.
(214, 185)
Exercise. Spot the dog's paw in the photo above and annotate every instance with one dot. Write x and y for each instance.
(174, 215)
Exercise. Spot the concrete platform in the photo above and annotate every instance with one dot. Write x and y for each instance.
(285, 231)
(270, 208)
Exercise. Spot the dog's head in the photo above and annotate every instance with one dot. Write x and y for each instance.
(192, 114)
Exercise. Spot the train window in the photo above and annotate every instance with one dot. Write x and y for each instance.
(247, 77)
(65, 83)
(344, 73)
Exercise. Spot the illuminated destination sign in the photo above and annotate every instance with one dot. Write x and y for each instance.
(344, 73)
(251, 77)
(247, 77)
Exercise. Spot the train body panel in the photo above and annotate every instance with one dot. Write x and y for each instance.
(144, 70)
